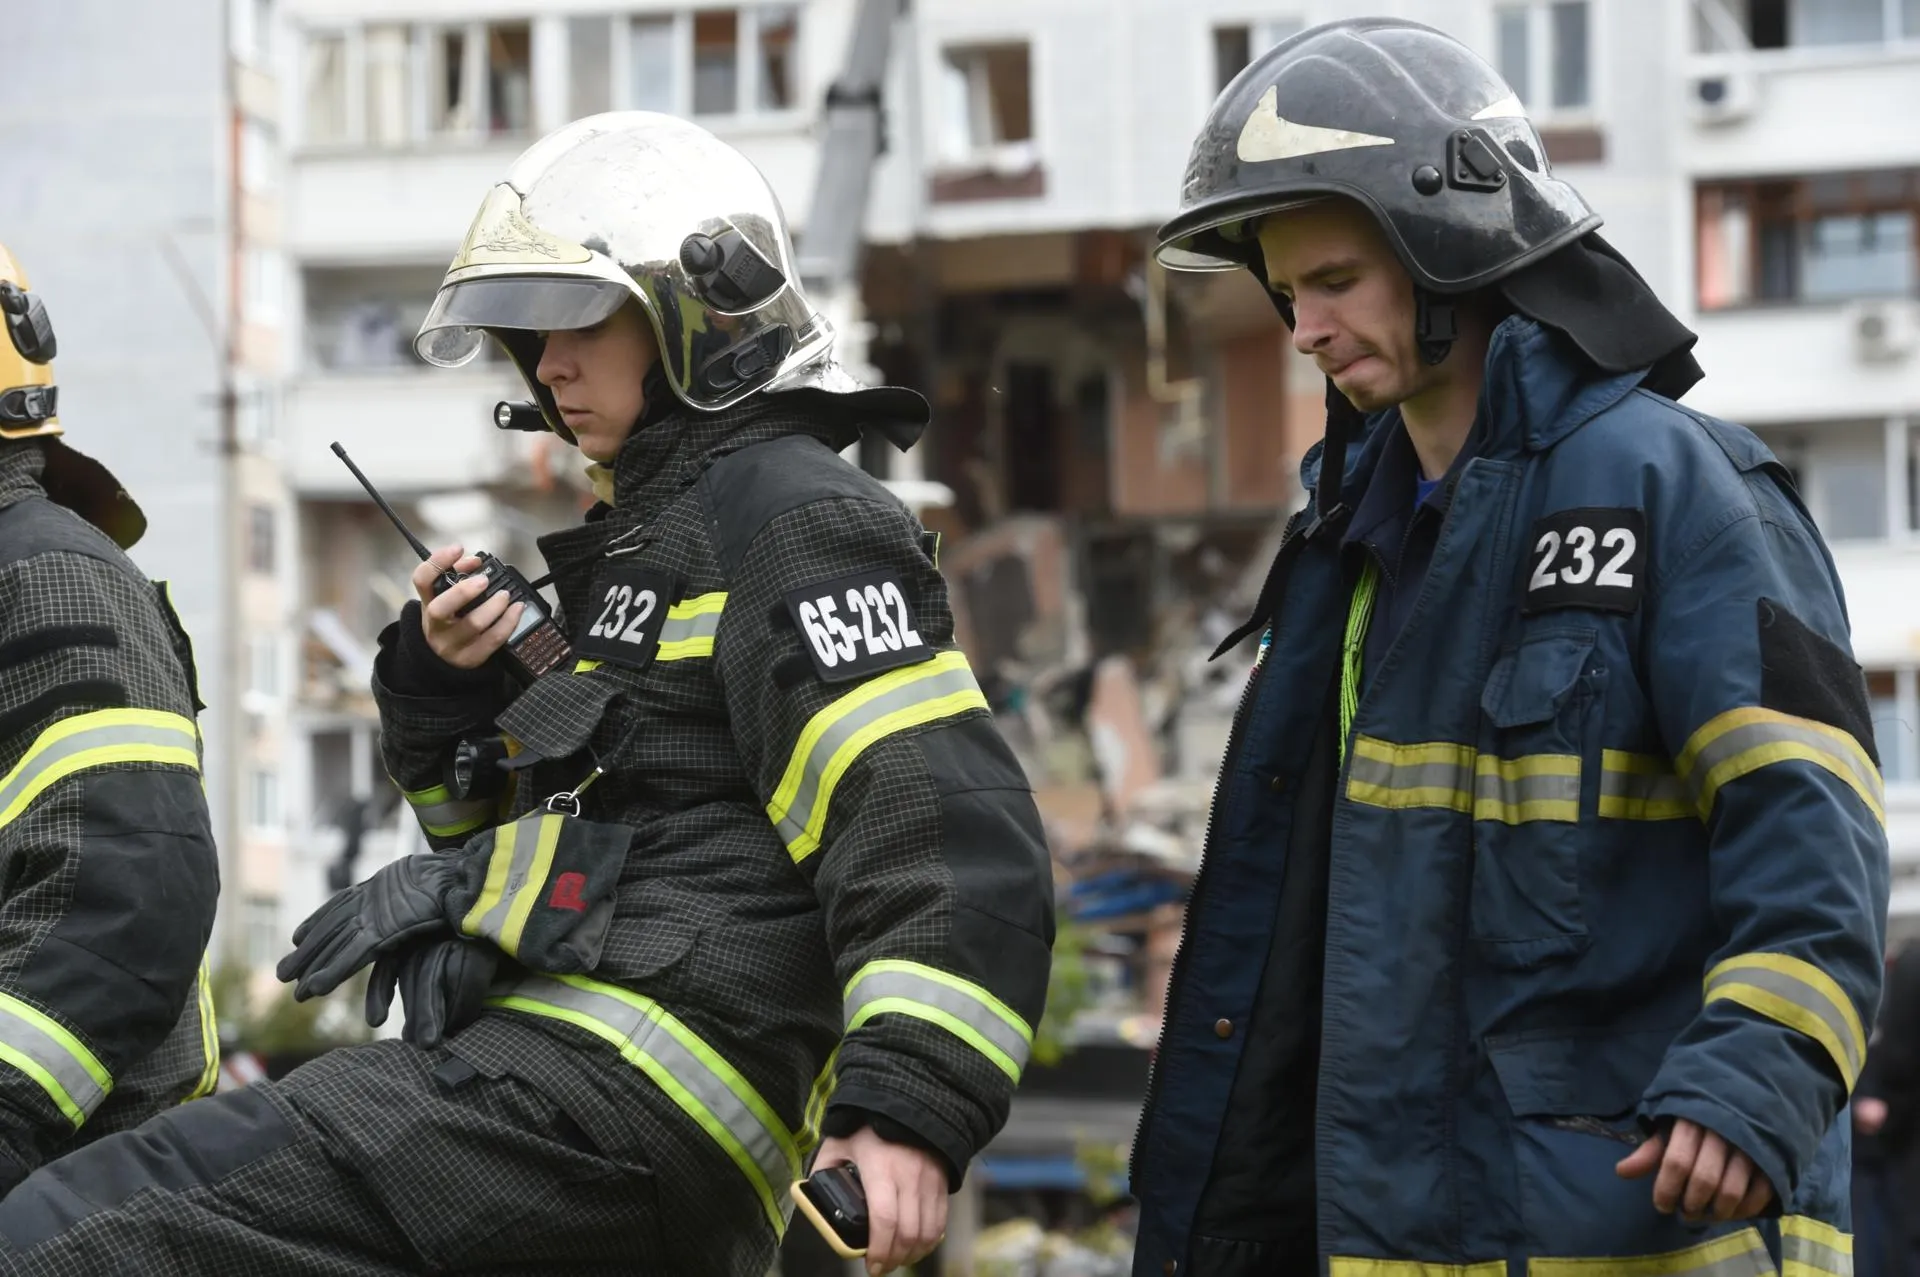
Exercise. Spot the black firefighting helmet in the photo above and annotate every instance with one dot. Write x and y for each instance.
(1401, 118)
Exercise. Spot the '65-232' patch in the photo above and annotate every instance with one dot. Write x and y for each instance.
(1591, 558)
(858, 625)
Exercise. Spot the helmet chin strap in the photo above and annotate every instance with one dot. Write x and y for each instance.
(1436, 324)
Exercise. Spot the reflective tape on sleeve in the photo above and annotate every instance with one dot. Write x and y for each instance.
(104, 738)
(959, 1006)
(1809, 1248)
(1731, 745)
(690, 627)
(209, 1035)
(1798, 995)
(695, 1076)
(34, 1043)
(444, 816)
(836, 736)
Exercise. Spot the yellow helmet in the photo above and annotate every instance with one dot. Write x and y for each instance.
(27, 394)
(28, 403)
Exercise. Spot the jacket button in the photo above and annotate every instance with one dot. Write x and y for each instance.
(1171, 1267)
(1223, 1028)
(1277, 784)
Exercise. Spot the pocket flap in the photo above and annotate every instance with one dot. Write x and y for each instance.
(1598, 1073)
(1528, 685)
(556, 716)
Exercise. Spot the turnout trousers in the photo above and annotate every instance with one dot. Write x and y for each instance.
(385, 1159)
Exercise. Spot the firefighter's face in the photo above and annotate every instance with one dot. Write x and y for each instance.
(1353, 309)
(597, 376)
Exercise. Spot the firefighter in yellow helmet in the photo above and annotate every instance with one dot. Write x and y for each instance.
(108, 875)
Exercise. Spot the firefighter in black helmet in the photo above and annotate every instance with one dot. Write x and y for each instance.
(1545, 888)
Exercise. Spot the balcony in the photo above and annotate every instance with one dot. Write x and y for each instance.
(412, 430)
(1790, 363)
(1802, 109)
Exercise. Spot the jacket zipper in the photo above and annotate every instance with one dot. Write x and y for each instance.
(1171, 1014)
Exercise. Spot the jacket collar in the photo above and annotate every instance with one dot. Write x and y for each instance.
(21, 464)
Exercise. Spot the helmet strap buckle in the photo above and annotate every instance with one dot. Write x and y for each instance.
(1436, 324)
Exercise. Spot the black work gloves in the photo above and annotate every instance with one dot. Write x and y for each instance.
(539, 889)
(443, 983)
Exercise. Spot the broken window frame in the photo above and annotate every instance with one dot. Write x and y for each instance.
(949, 75)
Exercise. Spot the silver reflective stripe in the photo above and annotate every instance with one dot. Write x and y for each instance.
(793, 823)
(1815, 1255)
(1747, 736)
(515, 847)
(678, 629)
(1741, 1254)
(34, 1043)
(988, 1025)
(1643, 789)
(1802, 995)
(1378, 771)
(1509, 795)
(689, 1070)
(112, 735)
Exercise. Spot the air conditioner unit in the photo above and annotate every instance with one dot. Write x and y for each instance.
(1884, 330)
(1723, 97)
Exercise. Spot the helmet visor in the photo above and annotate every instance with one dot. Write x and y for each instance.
(457, 324)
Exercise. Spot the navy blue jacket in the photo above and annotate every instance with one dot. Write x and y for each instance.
(1607, 847)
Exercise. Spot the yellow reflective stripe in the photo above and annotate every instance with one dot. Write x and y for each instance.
(1344, 1266)
(961, 1007)
(842, 731)
(103, 738)
(687, 632)
(38, 1046)
(1799, 995)
(695, 1076)
(1810, 1248)
(526, 891)
(443, 816)
(584, 666)
(1731, 745)
(1531, 787)
(1642, 787)
(817, 1100)
(1740, 1254)
(209, 1036)
(1455, 777)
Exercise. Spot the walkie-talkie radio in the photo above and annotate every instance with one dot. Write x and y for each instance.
(536, 645)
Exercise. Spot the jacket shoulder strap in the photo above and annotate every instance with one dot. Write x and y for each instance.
(744, 491)
(34, 525)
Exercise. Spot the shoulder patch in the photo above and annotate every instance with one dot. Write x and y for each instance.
(1809, 676)
(744, 491)
(858, 625)
(1589, 558)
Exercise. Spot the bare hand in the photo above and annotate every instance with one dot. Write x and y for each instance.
(906, 1197)
(464, 642)
(1698, 1169)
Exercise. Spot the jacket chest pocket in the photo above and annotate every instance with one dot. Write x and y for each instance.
(1536, 769)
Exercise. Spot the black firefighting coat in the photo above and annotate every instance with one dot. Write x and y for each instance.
(108, 874)
(838, 890)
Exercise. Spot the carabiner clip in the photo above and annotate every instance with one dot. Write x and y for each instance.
(567, 803)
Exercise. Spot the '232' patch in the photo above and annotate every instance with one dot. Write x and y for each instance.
(628, 604)
(1590, 558)
(858, 625)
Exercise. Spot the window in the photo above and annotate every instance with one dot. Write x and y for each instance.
(326, 89)
(1822, 239)
(988, 102)
(251, 30)
(263, 800)
(263, 666)
(259, 156)
(1235, 46)
(262, 285)
(653, 82)
(1893, 735)
(260, 920)
(589, 69)
(450, 109)
(1780, 24)
(779, 28)
(260, 539)
(509, 79)
(1836, 21)
(361, 319)
(1543, 51)
(716, 62)
(389, 64)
